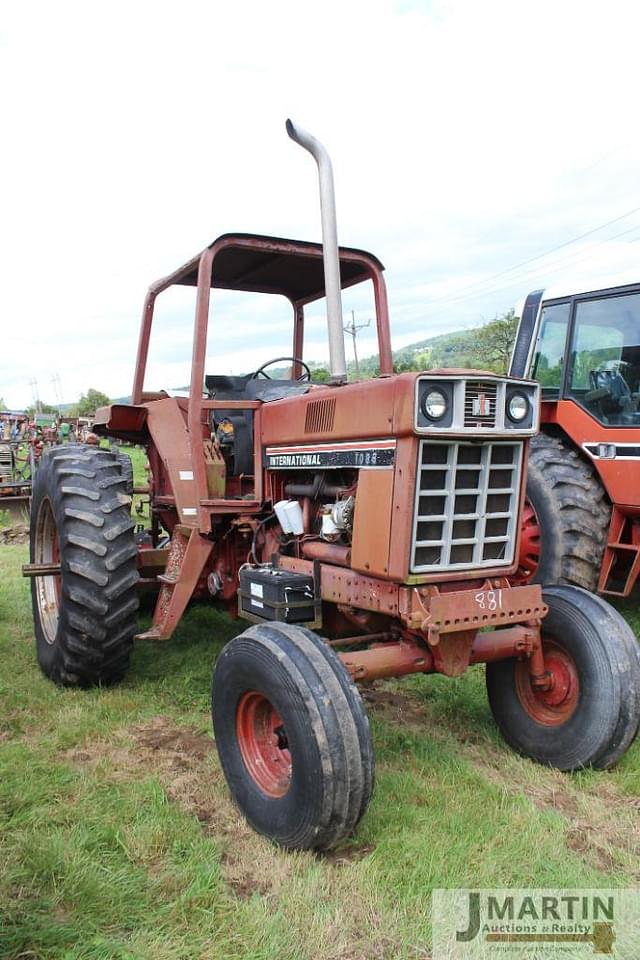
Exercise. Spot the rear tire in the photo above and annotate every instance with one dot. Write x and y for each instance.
(292, 736)
(591, 716)
(84, 619)
(126, 468)
(566, 518)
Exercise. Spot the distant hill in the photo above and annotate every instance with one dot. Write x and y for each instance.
(461, 348)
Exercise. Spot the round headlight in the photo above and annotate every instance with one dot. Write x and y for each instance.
(517, 407)
(434, 405)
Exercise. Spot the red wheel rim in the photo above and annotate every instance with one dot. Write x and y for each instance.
(554, 706)
(529, 557)
(263, 744)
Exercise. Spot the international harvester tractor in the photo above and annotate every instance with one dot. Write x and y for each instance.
(582, 516)
(364, 530)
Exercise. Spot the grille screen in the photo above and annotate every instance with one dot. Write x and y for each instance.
(480, 403)
(466, 505)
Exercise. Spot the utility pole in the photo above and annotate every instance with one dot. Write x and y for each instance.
(353, 328)
(33, 383)
(57, 388)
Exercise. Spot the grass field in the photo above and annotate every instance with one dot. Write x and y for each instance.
(118, 839)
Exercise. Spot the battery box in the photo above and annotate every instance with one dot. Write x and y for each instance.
(268, 593)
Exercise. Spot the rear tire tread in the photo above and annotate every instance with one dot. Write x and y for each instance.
(573, 513)
(98, 601)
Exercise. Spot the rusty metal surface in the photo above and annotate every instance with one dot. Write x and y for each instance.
(489, 605)
(404, 482)
(41, 569)
(153, 559)
(387, 660)
(426, 609)
(188, 554)
(169, 435)
(216, 469)
(372, 522)
(621, 560)
(119, 419)
(518, 641)
(327, 552)
(451, 656)
(342, 586)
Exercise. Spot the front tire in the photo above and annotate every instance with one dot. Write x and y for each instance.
(591, 715)
(84, 618)
(292, 736)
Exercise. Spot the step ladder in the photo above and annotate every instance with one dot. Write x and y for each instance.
(621, 562)
(188, 554)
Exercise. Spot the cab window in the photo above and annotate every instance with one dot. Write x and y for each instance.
(605, 359)
(550, 348)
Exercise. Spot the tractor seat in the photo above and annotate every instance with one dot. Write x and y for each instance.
(247, 387)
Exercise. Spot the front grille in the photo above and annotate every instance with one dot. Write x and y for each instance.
(466, 505)
(480, 403)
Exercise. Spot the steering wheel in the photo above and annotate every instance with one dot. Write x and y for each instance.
(260, 372)
(608, 385)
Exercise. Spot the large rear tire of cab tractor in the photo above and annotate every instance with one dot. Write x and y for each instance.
(591, 713)
(292, 735)
(566, 517)
(85, 617)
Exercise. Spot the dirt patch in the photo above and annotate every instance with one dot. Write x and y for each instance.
(399, 707)
(344, 856)
(184, 762)
(581, 840)
(178, 741)
(602, 825)
(19, 533)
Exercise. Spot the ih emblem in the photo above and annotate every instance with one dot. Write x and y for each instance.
(481, 405)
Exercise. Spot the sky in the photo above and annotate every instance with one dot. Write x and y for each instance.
(480, 150)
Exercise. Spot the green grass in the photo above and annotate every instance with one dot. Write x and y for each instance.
(138, 457)
(118, 838)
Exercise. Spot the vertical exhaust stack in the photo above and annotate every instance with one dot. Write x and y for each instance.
(330, 256)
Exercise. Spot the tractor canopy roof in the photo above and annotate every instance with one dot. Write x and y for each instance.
(292, 268)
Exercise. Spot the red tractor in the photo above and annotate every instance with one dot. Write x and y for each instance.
(582, 517)
(364, 530)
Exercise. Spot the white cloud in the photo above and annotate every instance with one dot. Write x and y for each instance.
(466, 137)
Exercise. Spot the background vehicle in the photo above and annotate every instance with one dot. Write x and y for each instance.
(582, 519)
(384, 514)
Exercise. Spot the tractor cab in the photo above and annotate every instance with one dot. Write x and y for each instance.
(584, 350)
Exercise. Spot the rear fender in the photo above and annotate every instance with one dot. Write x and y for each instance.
(122, 420)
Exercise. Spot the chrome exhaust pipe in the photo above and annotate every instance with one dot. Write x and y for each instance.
(333, 290)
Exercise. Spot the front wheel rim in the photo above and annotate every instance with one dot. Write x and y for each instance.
(48, 589)
(530, 534)
(263, 744)
(556, 705)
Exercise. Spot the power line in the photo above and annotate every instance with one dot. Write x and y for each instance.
(538, 256)
(545, 269)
